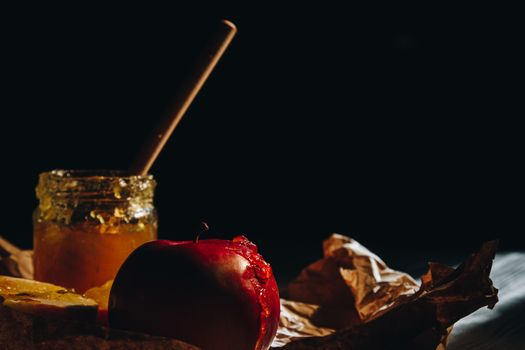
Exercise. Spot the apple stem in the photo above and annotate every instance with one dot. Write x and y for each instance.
(203, 227)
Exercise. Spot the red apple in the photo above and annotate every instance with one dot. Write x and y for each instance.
(216, 294)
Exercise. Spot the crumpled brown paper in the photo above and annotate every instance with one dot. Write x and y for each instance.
(350, 299)
(359, 281)
(14, 261)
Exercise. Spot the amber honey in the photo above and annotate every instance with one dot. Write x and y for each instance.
(87, 223)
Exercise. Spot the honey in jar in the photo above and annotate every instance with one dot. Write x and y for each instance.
(88, 222)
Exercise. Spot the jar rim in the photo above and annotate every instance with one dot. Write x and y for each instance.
(65, 194)
(99, 196)
(114, 185)
(95, 174)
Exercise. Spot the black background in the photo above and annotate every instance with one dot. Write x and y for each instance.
(396, 125)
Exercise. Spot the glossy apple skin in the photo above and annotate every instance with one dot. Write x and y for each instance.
(215, 294)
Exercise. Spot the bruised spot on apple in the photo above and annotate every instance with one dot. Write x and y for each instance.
(216, 294)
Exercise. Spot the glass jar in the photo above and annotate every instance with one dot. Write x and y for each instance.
(88, 222)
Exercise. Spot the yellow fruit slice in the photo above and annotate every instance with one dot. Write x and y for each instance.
(101, 296)
(45, 299)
